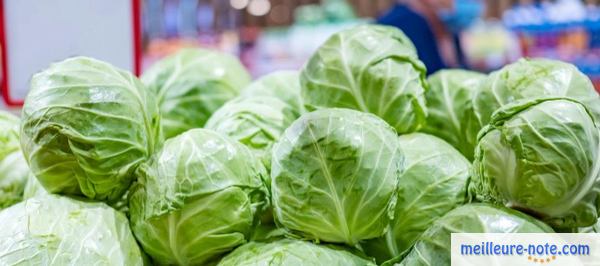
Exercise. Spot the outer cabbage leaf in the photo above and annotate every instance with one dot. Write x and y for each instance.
(55, 230)
(256, 122)
(434, 183)
(449, 105)
(86, 127)
(13, 167)
(197, 198)
(335, 174)
(33, 188)
(433, 247)
(284, 85)
(193, 83)
(291, 252)
(530, 79)
(541, 157)
(591, 229)
(595, 228)
(268, 232)
(369, 68)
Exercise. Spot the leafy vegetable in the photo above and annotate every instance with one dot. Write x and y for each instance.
(197, 198)
(55, 230)
(284, 85)
(529, 79)
(193, 83)
(434, 182)
(591, 229)
(296, 168)
(86, 126)
(13, 177)
(449, 105)
(9, 133)
(256, 122)
(33, 188)
(433, 247)
(291, 252)
(268, 232)
(541, 157)
(13, 167)
(334, 176)
(369, 68)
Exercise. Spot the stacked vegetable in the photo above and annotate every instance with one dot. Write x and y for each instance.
(356, 160)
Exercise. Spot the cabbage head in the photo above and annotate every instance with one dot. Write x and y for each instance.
(541, 157)
(449, 104)
(197, 198)
(86, 127)
(434, 183)
(433, 247)
(284, 85)
(257, 122)
(13, 178)
(193, 83)
(9, 133)
(335, 174)
(291, 252)
(369, 68)
(56, 230)
(13, 167)
(530, 79)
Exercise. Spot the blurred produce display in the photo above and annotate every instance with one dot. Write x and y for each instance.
(567, 30)
(272, 35)
(250, 28)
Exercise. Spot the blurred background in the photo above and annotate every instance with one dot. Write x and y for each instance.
(271, 35)
(281, 34)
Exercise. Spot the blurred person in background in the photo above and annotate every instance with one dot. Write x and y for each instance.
(434, 27)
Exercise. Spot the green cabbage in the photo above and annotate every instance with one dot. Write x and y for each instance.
(13, 178)
(284, 85)
(433, 247)
(291, 252)
(55, 230)
(434, 182)
(13, 167)
(530, 79)
(9, 133)
(541, 157)
(449, 105)
(193, 83)
(369, 68)
(86, 127)
(197, 198)
(256, 122)
(335, 174)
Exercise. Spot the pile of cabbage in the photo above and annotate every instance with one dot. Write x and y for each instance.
(359, 158)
